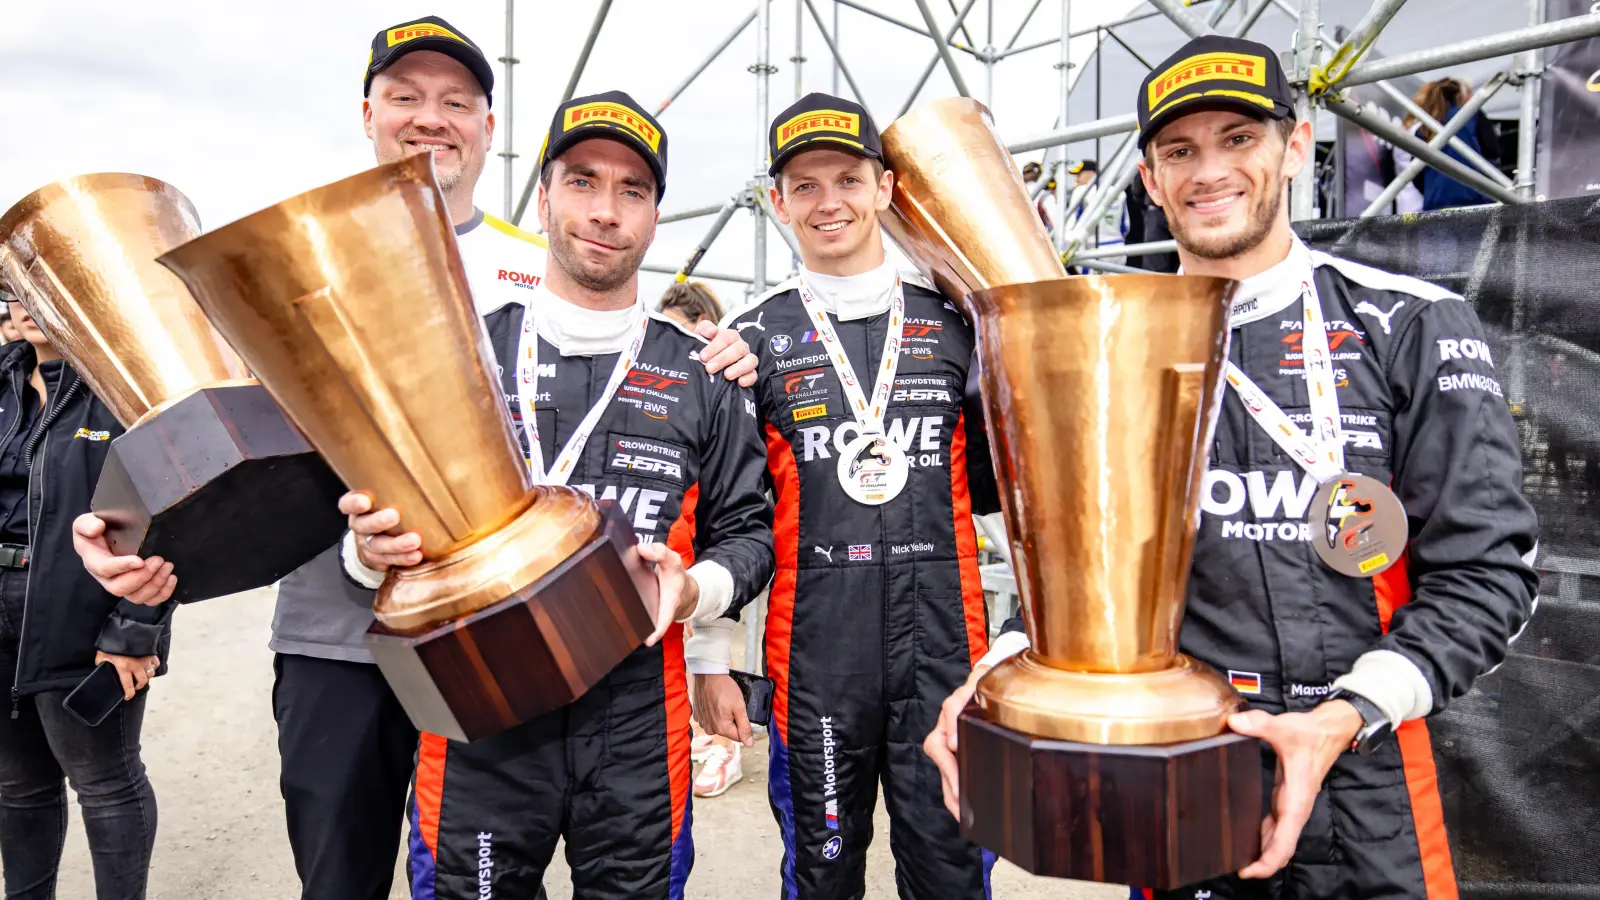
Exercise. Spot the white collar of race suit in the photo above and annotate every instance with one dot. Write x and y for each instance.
(1270, 292)
(851, 297)
(1267, 293)
(577, 331)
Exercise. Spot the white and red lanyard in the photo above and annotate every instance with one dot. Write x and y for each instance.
(1320, 453)
(869, 415)
(528, 389)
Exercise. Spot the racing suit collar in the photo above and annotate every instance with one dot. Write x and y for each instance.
(1268, 293)
(577, 331)
(851, 297)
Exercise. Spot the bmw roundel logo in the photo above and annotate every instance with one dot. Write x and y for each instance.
(830, 850)
(780, 344)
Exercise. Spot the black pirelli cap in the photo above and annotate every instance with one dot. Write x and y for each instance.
(1214, 72)
(431, 33)
(821, 121)
(613, 115)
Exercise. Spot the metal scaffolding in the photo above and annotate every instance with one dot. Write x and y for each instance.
(1321, 69)
(1318, 84)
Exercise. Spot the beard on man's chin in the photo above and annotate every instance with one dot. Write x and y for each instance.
(1262, 215)
(589, 277)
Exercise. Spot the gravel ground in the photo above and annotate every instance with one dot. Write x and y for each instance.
(211, 747)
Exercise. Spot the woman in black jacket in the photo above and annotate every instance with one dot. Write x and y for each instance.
(56, 625)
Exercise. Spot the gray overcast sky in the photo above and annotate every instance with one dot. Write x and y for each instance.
(241, 105)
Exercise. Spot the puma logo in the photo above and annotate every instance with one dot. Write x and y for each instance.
(756, 324)
(825, 554)
(1383, 318)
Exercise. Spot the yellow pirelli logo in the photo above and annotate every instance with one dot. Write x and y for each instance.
(1208, 67)
(615, 115)
(421, 30)
(814, 411)
(830, 120)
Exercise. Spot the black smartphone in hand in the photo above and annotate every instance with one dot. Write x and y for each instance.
(757, 691)
(96, 696)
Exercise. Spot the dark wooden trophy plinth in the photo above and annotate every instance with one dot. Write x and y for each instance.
(533, 652)
(1159, 817)
(223, 486)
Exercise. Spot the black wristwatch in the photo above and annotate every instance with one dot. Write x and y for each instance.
(1375, 727)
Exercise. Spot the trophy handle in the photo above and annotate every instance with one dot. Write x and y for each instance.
(1183, 389)
(324, 314)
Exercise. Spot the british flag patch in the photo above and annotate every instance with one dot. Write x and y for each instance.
(860, 551)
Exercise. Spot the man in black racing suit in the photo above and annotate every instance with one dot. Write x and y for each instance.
(678, 450)
(876, 611)
(1339, 672)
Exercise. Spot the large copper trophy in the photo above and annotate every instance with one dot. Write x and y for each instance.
(1101, 753)
(209, 475)
(351, 304)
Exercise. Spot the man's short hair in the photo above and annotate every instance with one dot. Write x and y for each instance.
(694, 300)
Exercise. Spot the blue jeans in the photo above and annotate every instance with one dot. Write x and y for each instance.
(41, 749)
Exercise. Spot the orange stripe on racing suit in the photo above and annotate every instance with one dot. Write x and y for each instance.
(967, 546)
(780, 601)
(680, 539)
(428, 788)
(1392, 590)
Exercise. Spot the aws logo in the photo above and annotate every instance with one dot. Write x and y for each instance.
(88, 435)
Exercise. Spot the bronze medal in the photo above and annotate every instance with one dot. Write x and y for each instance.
(1358, 525)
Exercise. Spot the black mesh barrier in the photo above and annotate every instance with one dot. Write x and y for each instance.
(1519, 757)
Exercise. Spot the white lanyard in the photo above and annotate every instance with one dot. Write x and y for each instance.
(1320, 453)
(868, 416)
(528, 388)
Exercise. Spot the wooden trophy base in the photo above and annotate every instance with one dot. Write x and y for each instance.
(1159, 817)
(222, 485)
(535, 651)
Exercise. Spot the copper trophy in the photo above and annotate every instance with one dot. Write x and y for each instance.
(209, 475)
(351, 304)
(1101, 753)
